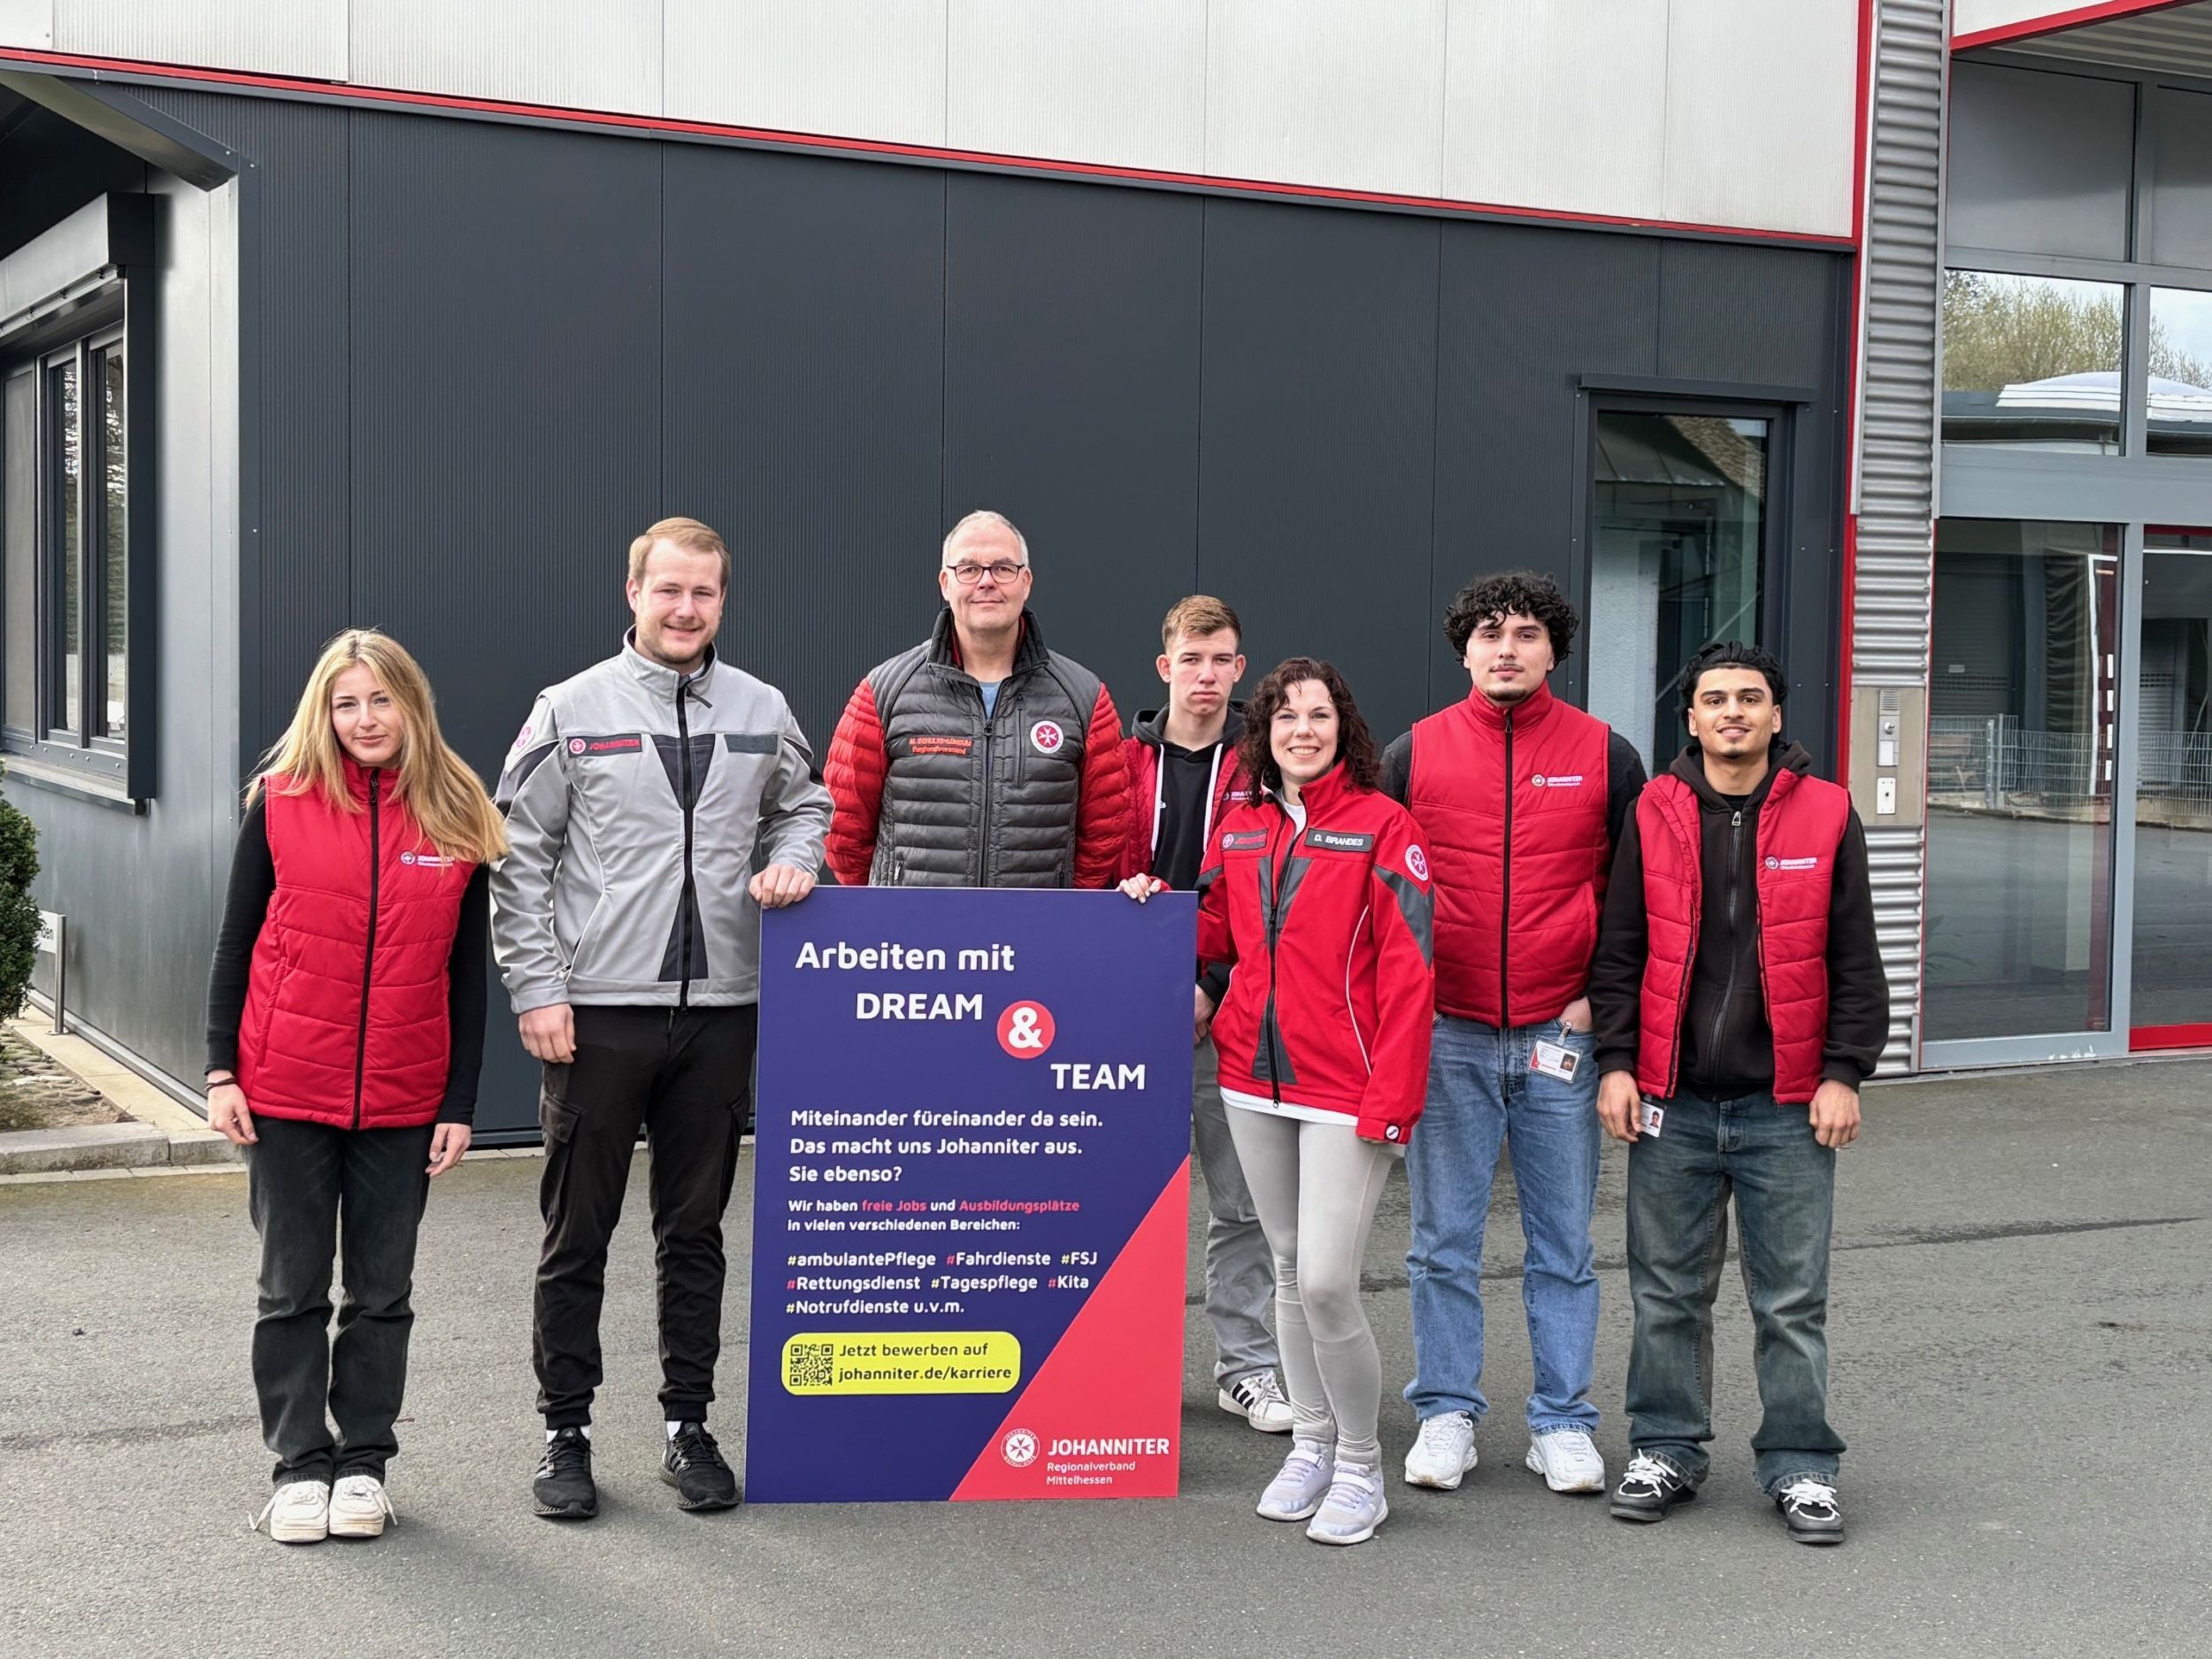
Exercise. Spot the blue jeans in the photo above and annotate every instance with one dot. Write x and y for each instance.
(1679, 1185)
(1482, 1094)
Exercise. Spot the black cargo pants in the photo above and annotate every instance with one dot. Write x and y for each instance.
(685, 1076)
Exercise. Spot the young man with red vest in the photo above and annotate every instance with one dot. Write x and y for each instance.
(1183, 779)
(1520, 798)
(1740, 1002)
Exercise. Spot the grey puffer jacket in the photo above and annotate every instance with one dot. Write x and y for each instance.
(930, 792)
(639, 804)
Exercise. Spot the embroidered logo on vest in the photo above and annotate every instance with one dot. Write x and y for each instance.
(428, 861)
(1045, 737)
(1793, 864)
(1572, 780)
(961, 746)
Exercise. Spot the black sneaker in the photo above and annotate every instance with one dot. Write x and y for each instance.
(1651, 1487)
(1810, 1510)
(562, 1490)
(694, 1466)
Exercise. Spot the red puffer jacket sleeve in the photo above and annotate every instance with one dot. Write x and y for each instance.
(853, 774)
(1405, 986)
(1137, 759)
(1101, 814)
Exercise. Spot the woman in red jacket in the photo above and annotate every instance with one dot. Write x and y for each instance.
(1317, 891)
(345, 1027)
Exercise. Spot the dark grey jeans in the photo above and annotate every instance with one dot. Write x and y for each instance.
(309, 1186)
(1679, 1182)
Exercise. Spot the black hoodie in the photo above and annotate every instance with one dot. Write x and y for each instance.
(1727, 1046)
(1182, 797)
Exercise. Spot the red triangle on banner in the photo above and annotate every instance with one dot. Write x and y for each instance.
(1102, 1417)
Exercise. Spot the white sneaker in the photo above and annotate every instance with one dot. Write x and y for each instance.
(1296, 1491)
(1445, 1452)
(1259, 1399)
(359, 1506)
(1355, 1506)
(1566, 1458)
(297, 1512)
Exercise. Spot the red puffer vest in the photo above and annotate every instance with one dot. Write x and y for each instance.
(1512, 805)
(1801, 825)
(345, 1021)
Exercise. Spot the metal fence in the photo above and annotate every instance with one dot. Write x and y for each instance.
(1998, 763)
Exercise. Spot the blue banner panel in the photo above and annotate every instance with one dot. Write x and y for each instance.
(971, 1182)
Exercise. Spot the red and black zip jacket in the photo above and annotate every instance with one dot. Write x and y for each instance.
(1329, 1012)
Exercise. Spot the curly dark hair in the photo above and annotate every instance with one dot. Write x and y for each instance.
(1733, 654)
(1512, 594)
(1354, 743)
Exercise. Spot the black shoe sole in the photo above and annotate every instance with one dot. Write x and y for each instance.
(565, 1512)
(695, 1505)
(1657, 1512)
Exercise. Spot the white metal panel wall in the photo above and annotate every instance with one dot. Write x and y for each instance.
(1557, 105)
(27, 23)
(2177, 42)
(1124, 83)
(854, 68)
(1900, 285)
(579, 54)
(1972, 17)
(1331, 92)
(282, 37)
(1760, 111)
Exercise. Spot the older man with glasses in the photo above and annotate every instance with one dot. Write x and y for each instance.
(979, 758)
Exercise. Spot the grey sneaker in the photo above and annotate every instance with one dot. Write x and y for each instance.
(1355, 1506)
(1295, 1493)
(1810, 1510)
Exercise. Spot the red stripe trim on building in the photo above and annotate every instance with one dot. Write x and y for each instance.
(1862, 130)
(288, 85)
(2146, 1038)
(2052, 23)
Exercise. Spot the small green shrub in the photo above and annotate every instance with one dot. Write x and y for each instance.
(18, 911)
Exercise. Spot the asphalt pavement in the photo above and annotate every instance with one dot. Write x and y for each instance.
(2021, 1331)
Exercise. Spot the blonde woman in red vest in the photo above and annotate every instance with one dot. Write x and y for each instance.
(345, 1026)
(1740, 1002)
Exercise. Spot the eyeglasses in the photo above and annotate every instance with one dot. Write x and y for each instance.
(1002, 573)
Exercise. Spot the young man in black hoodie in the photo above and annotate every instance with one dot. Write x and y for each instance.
(1183, 778)
(1739, 1002)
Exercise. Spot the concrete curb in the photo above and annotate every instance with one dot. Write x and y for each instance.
(161, 1133)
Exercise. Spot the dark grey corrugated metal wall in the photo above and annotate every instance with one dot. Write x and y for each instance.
(489, 354)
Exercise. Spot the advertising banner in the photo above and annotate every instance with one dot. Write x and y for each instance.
(971, 1185)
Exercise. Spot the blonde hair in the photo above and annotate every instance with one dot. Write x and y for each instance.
(446, 797)
(1199, 615)
(687, 534)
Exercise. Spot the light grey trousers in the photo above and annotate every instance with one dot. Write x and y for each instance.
(1317, 1186)
(1239, 1274)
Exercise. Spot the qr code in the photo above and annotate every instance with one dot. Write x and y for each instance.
(810, 1365)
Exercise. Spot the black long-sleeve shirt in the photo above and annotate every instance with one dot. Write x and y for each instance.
(246, 906)
(1727, 1044)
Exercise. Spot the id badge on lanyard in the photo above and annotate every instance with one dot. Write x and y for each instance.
(1555, 1059)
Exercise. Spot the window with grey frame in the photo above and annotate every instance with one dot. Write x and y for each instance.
(2076, 305)
(68, 672)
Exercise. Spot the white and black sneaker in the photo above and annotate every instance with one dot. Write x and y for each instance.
(1651, 1487)
(1810, 1510)
(1259, 1399)
(563, 1489)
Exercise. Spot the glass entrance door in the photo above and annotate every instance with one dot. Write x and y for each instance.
(2170, 979)
(2023, 707)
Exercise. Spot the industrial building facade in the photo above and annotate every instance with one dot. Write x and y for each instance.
(368, 312)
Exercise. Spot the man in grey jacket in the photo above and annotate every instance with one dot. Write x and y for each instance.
(654, 803)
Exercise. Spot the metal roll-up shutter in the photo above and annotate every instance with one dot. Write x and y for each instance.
(1894, 467)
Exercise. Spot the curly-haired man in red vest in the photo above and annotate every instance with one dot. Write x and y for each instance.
(1740, 1002)
(1520, 797)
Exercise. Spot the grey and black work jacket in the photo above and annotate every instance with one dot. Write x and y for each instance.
(639, 804)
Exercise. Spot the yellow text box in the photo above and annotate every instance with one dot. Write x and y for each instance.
(901, 1363)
